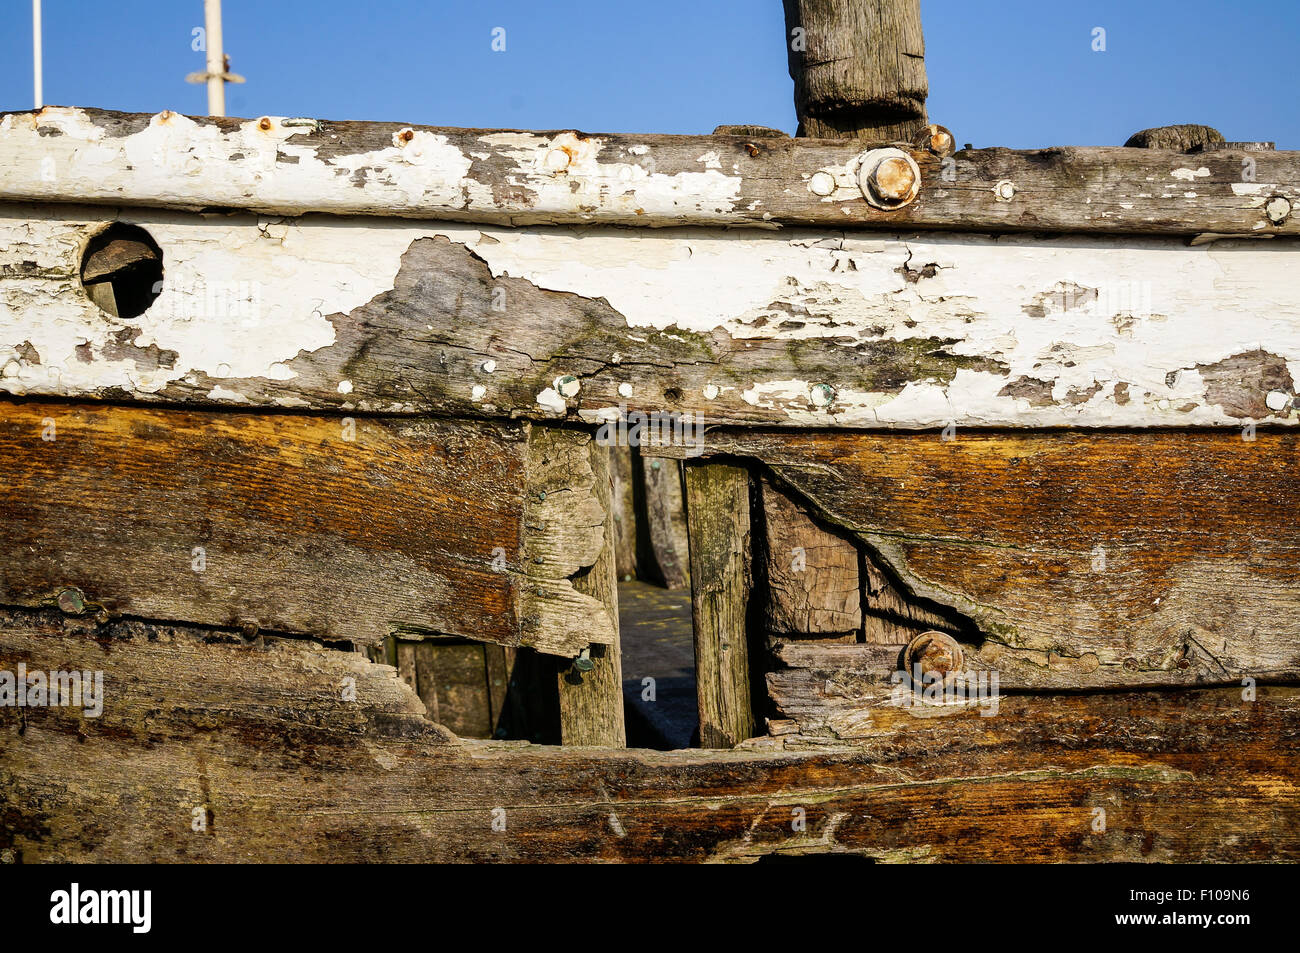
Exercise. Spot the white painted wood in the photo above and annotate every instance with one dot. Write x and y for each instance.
(1111, 332)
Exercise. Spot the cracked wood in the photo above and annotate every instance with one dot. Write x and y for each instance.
(1074, 560)
(286, 768)
(811, 329)
(506, 177)
(343, 529)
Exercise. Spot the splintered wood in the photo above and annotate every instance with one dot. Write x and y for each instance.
(344, 529)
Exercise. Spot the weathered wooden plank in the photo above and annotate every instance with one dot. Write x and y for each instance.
(811, 576)
(267, 748)
(717, 511)
(858, 68)
(1075, 559)
(276, 166)
(665, 528)
(591, 688)
(623, 495)
(810, 329)
(344, 529)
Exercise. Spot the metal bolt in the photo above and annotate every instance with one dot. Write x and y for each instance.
(72, 601)
(937, 140)
(567, 386)
(822, 183)
(934, 653)
(583, 662)
(823, 394)
(557, 160)
(1278, 209)
(265, 124)
(889, 178)
(405, 135)
(1005, 190)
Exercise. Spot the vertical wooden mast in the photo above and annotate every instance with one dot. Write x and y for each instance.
(858, 68)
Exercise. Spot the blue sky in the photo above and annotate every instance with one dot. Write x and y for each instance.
(1018, 73)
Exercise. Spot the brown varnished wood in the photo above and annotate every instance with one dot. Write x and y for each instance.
(345, 529)
(290, 771)
(1075, 559)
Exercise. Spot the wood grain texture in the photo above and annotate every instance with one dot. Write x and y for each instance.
(718, 514)
(591, 703)
(507, 177)
(808, 329)
(812, 580)
(345, 529)
(288, 771)
(858, 68)
(665, 528)
(1076, 560)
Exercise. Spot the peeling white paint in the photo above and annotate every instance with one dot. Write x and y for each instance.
(1189, 175)
(1160, 307)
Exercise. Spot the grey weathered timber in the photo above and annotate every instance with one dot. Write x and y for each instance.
(665, 524)
(294, 752)
(798, 329)
(858, 68)
(520, 178)
(718, 513)
(591, 700)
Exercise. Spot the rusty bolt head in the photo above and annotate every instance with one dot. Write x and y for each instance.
(889, 178)
(265, 124)
(405, 135)
(936, 140)
(1278, 209)
(567, 386)
(752, 149)
(72, 601)
(1005, 190)
(934, 653)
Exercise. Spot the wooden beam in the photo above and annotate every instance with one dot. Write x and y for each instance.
(345, 529)
(812, 582)
(284, 766)
(717, 510)
(591, 687)
(858, 68)
(1074, 560)
(278, 166)
(808, 330)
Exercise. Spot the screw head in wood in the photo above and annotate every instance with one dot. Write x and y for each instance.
(822, 183)
(935, 654)
(567, 386)
(1005, 190)
(823, 395)
(889, 178)
(71, 601)
(1278, 209)
(583, 662)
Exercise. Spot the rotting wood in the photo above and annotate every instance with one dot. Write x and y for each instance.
(858, 68)
(718, 514)
(289, 770)
(591, 686)
(812, 581)
(666, 522)
(507, 177)
(623, 494)
(1074, 560)
(889, 617)
(346, 529)
(805, 329)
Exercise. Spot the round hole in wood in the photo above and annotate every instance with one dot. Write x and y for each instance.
(122, 270)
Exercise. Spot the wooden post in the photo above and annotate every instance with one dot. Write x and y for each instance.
(591, 702)
(858, 68)
(665, 528)
(717, 514)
